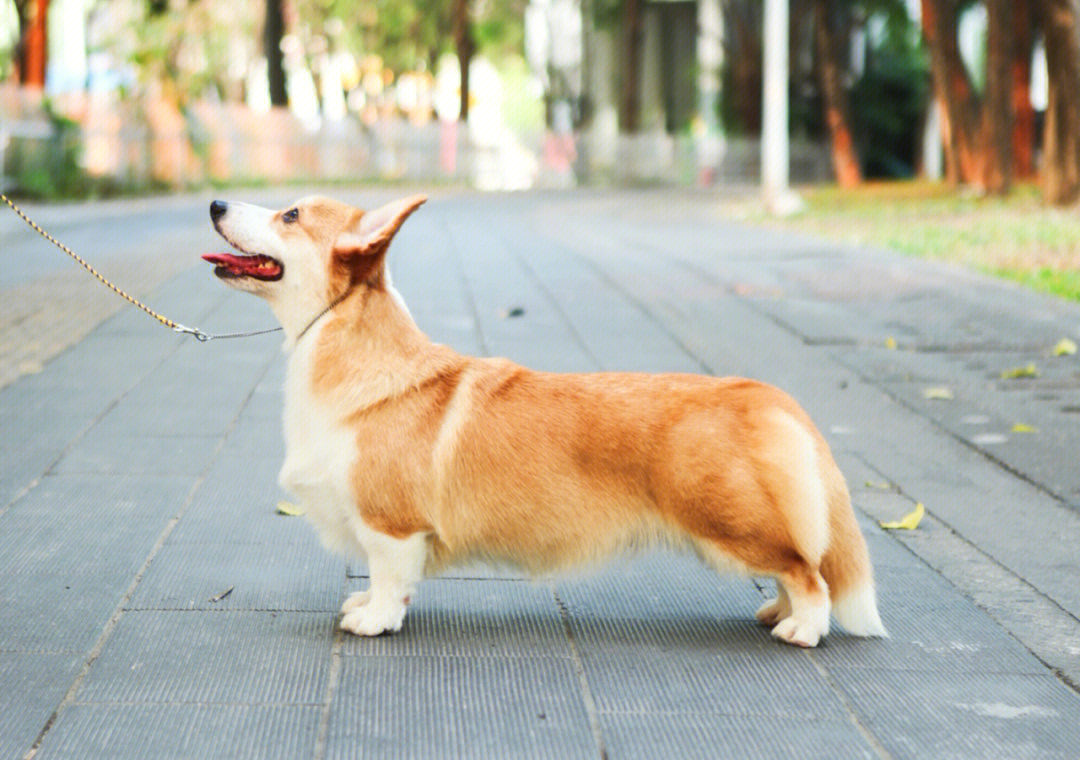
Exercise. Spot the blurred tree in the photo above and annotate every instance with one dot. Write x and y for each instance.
(997, 113)
(954, 91)
(273, 31)
(829, 48)
(626, 19)
(188, 48)
(1023, 132)
(888, 100)
(465, 45)
(742, 66)
(978, 128)
(31, 49)
(1061, 137)
(633, 30)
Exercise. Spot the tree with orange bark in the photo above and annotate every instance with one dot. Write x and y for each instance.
(32, 48)
(988, 136)
(1061, 138)
(828, 47)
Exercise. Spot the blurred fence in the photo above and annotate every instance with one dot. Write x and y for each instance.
(131, 144)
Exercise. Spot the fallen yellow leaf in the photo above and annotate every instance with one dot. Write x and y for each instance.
(890, 343)
(909, 521)
(1029, 370)
(1020, 427)
(882, 485)
(287, 508)
(1065, 347)
(940, 393)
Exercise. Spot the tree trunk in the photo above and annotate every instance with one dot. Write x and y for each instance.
(1023, 134)
(845, 158)
(275, 65)
(466, 46)
(33, 42)
(1061, 138)
(997, 111)
(633, 37)
(962, 129)
(744, 55)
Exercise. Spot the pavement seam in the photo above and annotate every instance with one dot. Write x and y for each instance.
(849, 708)
(638, 304)
(900, 400)
(118, 613)
(990, 560)
(555, 303)
(75, 439)
(333, 678)
(463, 280)
(587, 699)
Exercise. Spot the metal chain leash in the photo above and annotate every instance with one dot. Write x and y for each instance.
(198, 334)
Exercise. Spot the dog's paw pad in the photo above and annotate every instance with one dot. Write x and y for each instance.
(772, 612)
(801, 633)
(356, 600)
(365, 621)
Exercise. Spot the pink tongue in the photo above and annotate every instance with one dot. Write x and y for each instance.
(240, 264)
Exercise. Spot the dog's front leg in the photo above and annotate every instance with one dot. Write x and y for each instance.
(395, 566)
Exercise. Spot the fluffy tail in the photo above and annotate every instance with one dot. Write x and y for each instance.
(846, 564)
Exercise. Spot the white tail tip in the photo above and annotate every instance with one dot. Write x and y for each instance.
(857, 612)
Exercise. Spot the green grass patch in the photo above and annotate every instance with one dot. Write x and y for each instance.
(1017, 236)
(1060, 283)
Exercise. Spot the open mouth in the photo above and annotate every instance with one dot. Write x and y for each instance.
(256, 266)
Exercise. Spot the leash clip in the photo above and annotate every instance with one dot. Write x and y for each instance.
(198, 334)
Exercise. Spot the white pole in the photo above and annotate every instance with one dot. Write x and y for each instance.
(775, 148)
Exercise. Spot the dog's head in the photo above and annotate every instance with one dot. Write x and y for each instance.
(308, 254)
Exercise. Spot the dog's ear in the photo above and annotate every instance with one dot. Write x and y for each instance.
(370, 232)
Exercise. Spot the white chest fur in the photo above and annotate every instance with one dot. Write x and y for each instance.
(319, 452)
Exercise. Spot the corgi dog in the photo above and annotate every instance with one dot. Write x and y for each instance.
(416, 457)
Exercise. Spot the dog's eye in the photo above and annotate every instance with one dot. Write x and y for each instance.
(291, 215)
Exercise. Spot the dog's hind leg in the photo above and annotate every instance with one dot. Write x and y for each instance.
(395, 566)
(808, 619)
(772, 612)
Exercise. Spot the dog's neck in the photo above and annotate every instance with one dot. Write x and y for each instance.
(368, 348)
(299, 315)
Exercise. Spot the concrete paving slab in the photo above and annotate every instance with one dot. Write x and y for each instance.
(473, 618)
(917, 714)
(89, 523)
(458, 707)
(732, 737)
(213, 657)
(56, 611)
(276, 577)
(182, 731)
(237, 503)
(645, 596)
(663, 683)
(34, 684)
(98, 452)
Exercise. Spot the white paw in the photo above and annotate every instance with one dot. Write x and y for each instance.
(355, 600)
(773, 612)
(801, 633)
(371, 621)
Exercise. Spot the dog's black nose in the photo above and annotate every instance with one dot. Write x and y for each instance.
(218, 209)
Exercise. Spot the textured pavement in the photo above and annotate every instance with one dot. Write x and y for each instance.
(138, 484)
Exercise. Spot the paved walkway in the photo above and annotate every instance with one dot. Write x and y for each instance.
(137, 487)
